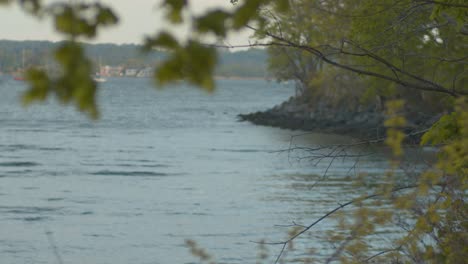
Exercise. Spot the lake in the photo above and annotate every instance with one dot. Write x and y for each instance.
(159, 167)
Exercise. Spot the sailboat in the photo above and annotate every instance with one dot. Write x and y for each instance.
(98, 77)
(19, 74)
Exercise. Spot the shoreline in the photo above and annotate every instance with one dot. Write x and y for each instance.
(366, 123)
(240, 78)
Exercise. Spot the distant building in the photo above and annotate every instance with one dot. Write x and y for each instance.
(145, 73)
(109, 71)
(131, 72)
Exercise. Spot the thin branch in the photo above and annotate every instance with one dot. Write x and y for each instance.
(393, 67)
(342, 246)
(325, 216)
(427, 86)
(294, 224)
(446, 4)
(355, 144)
(382, 253)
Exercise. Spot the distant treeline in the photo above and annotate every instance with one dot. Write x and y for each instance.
(18, 54)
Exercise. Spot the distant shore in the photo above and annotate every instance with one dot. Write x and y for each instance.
(241, 78)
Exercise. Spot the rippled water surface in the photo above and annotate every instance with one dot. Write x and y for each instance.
(159, 167)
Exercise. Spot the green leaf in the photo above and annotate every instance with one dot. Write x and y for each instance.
(201, 65)
(175, 8)
(67, 52)
(106, 17)
(162, 40)
(194, 63)
(31, 6)
(213, 21)
(282, 5)
(247, 12)
(39, 88)
(75, 20)
(5, 2)
(64, 21)
(170, 70)
(442, 131)
(75, 84)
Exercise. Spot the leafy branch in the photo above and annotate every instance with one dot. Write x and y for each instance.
(326, 215)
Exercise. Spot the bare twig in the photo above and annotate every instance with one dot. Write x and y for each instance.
(325, 216)
(382, 253)
(417, 83)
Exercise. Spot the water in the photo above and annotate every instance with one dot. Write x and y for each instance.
(159, 167)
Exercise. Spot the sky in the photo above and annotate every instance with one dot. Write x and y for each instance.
(137, 19)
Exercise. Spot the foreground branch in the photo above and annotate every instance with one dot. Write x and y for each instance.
(325, 216)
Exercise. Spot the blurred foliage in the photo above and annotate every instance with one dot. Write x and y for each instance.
(394, 123)
(74, 84)
(174, 10)
(418, 47)
(39, 54)
(187, 60)
(443, 130)
(418, 44)
(404, 49)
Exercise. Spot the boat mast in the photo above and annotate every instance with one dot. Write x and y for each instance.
(23, 59)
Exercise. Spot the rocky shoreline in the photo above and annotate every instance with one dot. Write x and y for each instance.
(362, 123)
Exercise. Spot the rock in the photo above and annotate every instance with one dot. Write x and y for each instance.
(365, 122)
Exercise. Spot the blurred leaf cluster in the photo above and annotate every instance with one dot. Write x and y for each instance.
(75, 21)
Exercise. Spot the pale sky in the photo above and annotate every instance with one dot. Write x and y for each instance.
(137, 18)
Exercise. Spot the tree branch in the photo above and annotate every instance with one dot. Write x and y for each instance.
(325, 216)
(446, 4)
(426, 85)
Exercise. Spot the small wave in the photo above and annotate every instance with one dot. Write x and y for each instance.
(98, 235)
(55, 199)
(127, 165)
(201, 214)
(20, 172)
(27, 209)
(28, 130)
(16, 147)
(87, 213)
(232, 259)
(91, 235)
(33, 218)
(136, 160)
(195, 110)
(176, 213)
(144, 160)
(85, 136)
(143, 165)
(239, 150)
(50, 149)
(130, 173)
(19, 164)
(88, 201)
(30, 188)
(11, 157)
